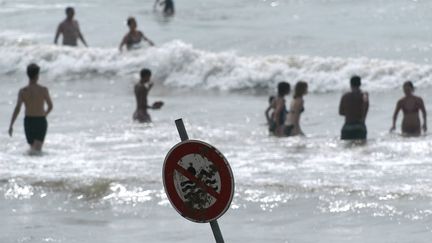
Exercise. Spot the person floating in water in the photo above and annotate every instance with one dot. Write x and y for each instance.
(133, 38)
(70, 30)
(354, 106)
(168, 7)
(410, 106)
(141, 93)
(34, 97)
(297, 107)
(280, 111)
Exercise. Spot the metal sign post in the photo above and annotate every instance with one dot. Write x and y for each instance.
(215, 181)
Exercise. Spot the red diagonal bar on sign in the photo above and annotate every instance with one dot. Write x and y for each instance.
(191, 177)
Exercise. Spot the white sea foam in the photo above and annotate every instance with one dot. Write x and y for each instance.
(178, 64)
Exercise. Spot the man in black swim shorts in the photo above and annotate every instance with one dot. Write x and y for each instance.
(34, 97)
(354, 106)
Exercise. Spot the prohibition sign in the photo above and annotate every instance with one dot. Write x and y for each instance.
(198, 181)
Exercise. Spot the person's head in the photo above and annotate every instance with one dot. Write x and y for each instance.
(131, 22)
(70, 12)
(355, 81)
(33, 72)
(271, 99)
(145, 75)
(300, 89)
(283, 88)
(408, 87)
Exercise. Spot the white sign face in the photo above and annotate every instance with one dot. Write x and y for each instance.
(203, 170)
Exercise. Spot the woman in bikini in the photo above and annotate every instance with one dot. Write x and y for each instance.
(133, 38)
(410, 106)
(297, 107)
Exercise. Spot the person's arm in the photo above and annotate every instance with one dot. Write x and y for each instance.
(123, 42)
(16, 112)
(48, 101)
(365, 105)
(342, 106)
(267, 114)
(80, 34)
(59, 31)
(147, 39)
(423, 110)
(395, 115)
(278, 111)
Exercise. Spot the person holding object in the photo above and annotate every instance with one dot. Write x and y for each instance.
(34, 97)
(354, 106)
(141, 93)
(70, 30)
(410, 106)
(133, 38)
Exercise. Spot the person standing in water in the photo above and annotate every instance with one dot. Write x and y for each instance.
(297, 107)
(34, 97)
(410, 106)
(280, 111)
(70, 30)
(168, 7)
(354, 106)
(134, 37)
(141, 93)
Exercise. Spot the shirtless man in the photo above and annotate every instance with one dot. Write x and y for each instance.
(70, 30)
(410, 106)
(354, 106)
(34, 97)
(141, 92)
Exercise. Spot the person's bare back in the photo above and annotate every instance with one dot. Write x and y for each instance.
(34, 97)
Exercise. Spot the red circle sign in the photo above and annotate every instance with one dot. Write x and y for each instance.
(198, 181)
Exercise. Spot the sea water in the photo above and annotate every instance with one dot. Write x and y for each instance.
(215, 63)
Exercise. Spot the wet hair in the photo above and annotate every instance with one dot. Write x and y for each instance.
(130, 20)
(283, 88)
(410, 84)
(355, 81)
(271, 99)
(300, 89)
(69, 9)
(145, 72)
(33, 70)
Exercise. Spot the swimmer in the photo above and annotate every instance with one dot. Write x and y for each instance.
(280, 111)
(70, 30)
(34, 97)
(133, 38)
(410, 106)
(141, 93)
(168, 7)
(296, 109)
(354, 106)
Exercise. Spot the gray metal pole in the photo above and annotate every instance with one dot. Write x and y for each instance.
(214, 224)
(216, 232)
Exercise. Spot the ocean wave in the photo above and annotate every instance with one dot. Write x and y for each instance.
(179, 65)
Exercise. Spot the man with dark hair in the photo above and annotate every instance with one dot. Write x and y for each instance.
(70, 30)
(34, 97)
(141, 93)
(354, 106)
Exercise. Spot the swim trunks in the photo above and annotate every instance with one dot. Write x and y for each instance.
(35, 128)
(351, 131)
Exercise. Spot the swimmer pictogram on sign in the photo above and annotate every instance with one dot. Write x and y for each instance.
(198, 181)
